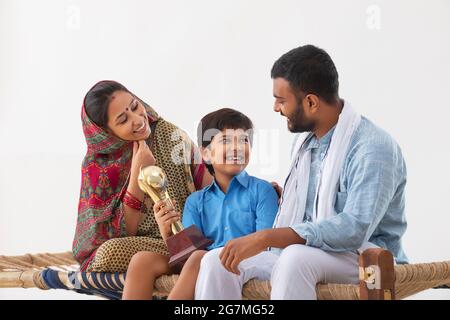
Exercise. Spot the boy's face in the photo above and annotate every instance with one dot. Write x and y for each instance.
(228, 152)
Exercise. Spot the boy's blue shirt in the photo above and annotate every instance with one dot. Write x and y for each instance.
(249, 205)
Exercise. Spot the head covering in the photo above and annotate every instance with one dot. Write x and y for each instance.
(104, 179)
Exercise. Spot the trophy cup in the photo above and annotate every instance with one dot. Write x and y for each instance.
(153, 181)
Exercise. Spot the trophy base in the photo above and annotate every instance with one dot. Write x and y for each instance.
(182, 244)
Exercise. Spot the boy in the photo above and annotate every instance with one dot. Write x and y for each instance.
(235, 204)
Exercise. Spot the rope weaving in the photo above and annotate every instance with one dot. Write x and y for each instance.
(58, 271)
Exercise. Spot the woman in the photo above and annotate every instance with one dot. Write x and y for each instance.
(115, 218)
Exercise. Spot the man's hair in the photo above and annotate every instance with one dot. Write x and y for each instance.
(219, 120)
(309, 70)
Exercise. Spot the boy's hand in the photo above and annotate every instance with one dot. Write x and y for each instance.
(165, 215)
(278, 189)
(239, 249)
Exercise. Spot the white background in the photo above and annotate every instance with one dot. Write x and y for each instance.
(187, 58)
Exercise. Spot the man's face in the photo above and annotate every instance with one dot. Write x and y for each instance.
(287, 104)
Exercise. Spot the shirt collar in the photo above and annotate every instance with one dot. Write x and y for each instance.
(327, 137)
(313, 142)
(242, 178)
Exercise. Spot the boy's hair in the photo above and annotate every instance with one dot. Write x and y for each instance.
(308, 69)
(219, 120)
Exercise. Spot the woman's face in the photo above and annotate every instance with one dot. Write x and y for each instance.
(127, 117)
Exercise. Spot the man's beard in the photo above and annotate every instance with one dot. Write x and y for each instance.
(298, 123)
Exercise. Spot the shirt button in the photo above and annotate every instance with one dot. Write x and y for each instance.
(226, 228)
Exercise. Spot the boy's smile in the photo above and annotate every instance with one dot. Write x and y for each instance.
(229, 151)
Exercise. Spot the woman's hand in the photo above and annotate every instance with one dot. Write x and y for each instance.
(142, 156)
(165, 215)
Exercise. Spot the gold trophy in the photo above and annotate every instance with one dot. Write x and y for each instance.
(153, 181)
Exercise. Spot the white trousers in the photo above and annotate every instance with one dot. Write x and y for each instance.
(293, 274)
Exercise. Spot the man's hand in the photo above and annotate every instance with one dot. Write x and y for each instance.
(278, 189)
(242, 248)
(239, 249)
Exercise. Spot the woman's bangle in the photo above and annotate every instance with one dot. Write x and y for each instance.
(132, 201)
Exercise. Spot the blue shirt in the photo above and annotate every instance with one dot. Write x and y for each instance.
(249, 205)
(370, 202)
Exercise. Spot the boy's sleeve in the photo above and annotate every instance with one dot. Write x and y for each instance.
(191, 214)
(267, 206)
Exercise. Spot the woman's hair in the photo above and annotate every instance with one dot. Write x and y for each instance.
(97, 101)
(309, 69)
(219, 120)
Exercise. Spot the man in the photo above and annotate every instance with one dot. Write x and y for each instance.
(344, 193)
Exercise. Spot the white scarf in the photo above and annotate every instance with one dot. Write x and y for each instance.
(293, 200)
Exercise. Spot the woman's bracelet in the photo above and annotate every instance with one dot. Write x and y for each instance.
(132, 201)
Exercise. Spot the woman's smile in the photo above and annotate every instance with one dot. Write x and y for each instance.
(141, 129)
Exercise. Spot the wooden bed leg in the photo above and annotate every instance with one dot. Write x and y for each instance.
(376, 275)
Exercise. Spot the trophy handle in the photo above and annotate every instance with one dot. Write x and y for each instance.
(176, 226)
